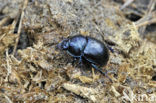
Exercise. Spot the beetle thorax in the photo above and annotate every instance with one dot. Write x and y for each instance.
(76, 46)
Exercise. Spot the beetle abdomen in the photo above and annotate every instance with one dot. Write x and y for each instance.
(96, 52)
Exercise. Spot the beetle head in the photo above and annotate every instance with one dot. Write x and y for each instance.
(64, 44)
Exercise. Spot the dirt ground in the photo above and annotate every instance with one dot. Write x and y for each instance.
(33, 70)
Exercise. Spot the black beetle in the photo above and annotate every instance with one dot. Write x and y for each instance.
(86, 48)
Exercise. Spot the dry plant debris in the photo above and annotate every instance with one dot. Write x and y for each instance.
(32, 70)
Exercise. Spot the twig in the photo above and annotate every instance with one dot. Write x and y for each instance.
(151, 6)
(8, 67)
(115, 92)
(8, 99)
(20, 26)
(93, 74)
(128, 2)
(4, 20)
(148, 15)
(146, 23)
(14, 23)
(2, 36)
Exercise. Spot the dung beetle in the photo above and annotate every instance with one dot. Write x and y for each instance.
(86, 48)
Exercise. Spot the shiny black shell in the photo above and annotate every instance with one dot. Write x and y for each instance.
(91, 49)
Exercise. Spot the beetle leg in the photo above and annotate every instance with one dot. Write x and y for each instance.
(105, 74)
(111, 49)
(80, 61)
